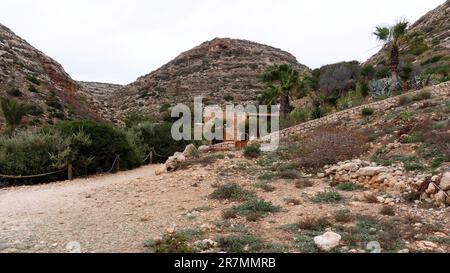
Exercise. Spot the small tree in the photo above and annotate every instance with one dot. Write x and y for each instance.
(283, 82)
(393, 37)
(13, 113)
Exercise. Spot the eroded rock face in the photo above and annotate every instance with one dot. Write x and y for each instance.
(220, 70)
(29, 76)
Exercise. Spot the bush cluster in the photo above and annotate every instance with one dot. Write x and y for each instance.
(331, 145)
(90, 147)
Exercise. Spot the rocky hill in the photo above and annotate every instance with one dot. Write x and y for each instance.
(428, 45)
(29, 76)
(220, 70)
(98, 96)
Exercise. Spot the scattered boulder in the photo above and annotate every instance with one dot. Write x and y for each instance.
(73, 247)
(203, 149)
(445, 182)
(173, 163)
(4, 246)
(190, 151)
(372, 171)
(328, 241)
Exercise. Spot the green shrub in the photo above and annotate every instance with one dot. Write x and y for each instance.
(158, 137)
(164, 108)
(382, 72)
(174, 243)
(228, 98)
(33, 89)
(304, 183)
(305, 244)
(423, 95)
(35, 153)
(406, 116)
(265, 186)
(256, 206)
(241, 244)
(367, 112)
(301, 114)
(135, 118)
(54, 102)
(107, 143)
(328, 197)
(404, 100)
(35, 110)
(387, 210)
(289, 174)
(252, 150)
(343, 216)
(33, 79)
(350, 100)
(318, 112)
(232, 192)
(229, 214)
(314, 223)
(14, 92)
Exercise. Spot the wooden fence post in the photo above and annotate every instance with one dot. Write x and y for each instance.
(70, 172)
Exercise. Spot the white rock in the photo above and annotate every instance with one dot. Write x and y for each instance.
(372, 171)
(73, 247)
(445, 182)
(431, 189)
(440, 197)
(351, 167)
(203, 149)
(328, 241)
(190, 151)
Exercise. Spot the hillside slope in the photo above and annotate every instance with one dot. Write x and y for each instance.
(29, 76)
(220, 70)
(428, 48)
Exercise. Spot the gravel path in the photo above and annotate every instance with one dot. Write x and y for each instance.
(109, 213)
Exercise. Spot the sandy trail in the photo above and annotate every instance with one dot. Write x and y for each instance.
(109, 213)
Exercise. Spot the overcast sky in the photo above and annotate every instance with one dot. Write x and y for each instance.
(117, 41)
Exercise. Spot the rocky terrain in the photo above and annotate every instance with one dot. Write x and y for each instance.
(370, 178)
(212, 200)
(99, 95)
(428, 44)
(221, 70)
(29, 76)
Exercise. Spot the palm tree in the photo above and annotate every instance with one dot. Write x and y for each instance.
(283, 82)
(393, 37)
(13, 113)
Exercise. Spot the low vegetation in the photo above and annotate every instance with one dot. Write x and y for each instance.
(331, 145)
(232, 192)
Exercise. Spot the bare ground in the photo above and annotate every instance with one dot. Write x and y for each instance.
(119, 212)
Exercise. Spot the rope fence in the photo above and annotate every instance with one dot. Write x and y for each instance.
(70, 169)
(31, 176)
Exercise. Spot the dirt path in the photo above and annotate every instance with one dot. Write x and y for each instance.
(110, 213)
(118, 213)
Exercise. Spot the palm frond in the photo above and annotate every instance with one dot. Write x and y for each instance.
(382, 33)
(400, 29)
